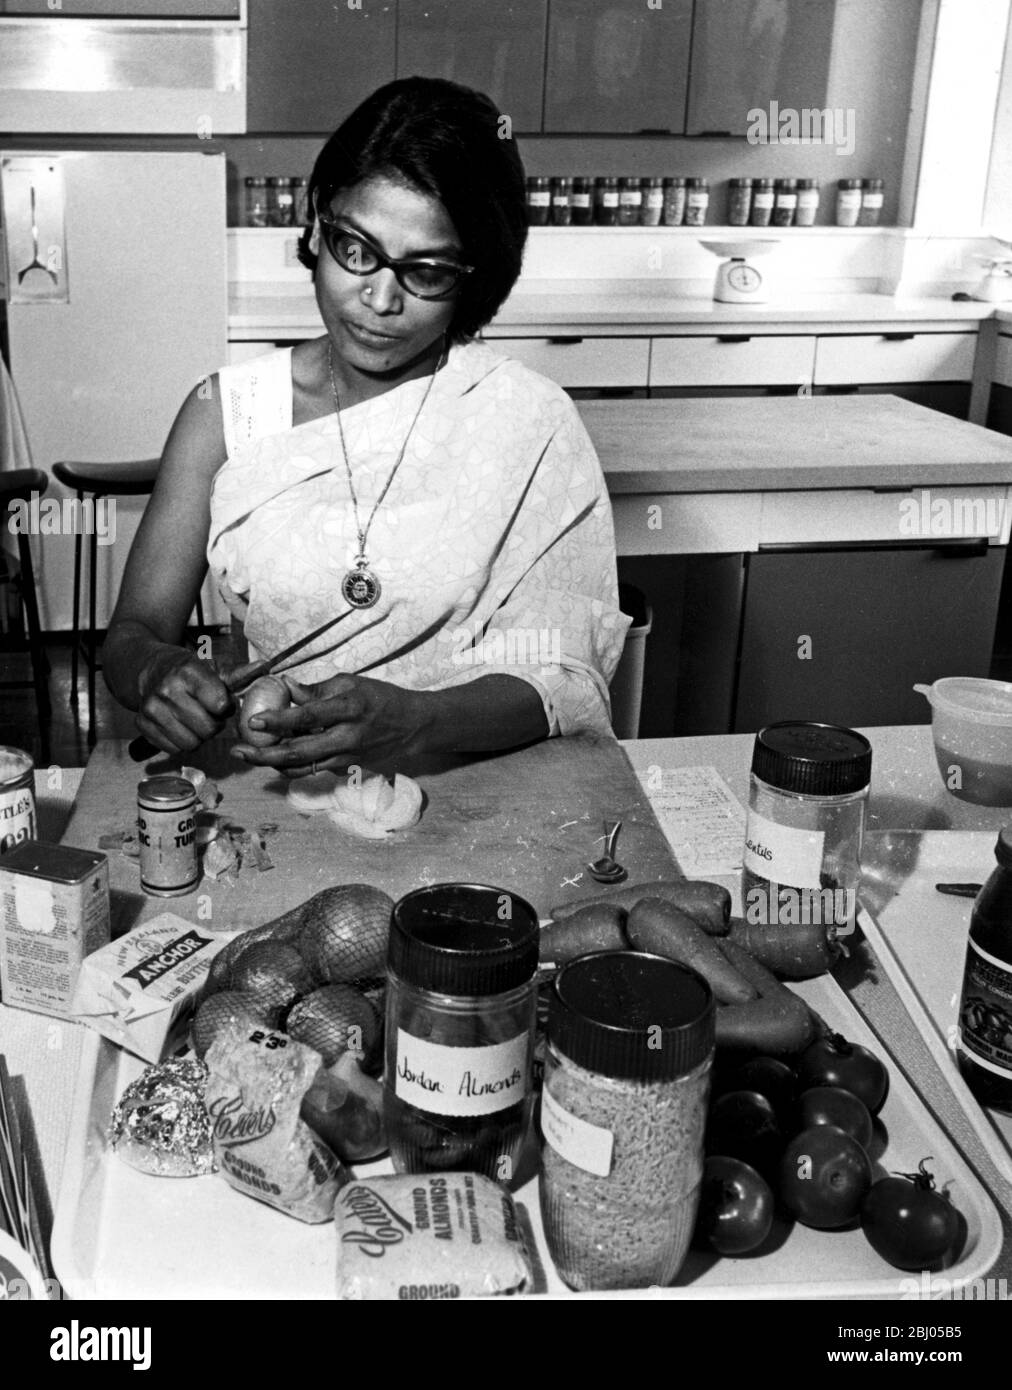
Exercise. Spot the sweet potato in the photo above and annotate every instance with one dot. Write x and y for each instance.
(794, 951)
(708, 904)
(658, 926)
(595, 927)
(777, 1023)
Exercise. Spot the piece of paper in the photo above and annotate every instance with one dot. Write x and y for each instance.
(702, 818)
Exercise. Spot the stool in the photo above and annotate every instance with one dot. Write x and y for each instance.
(19, 485)
(100, 480)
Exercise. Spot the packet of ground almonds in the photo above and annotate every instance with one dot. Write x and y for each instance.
(428, 1236)
(140, 989)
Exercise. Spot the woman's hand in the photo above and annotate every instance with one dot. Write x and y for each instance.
(338, 723)
(183, 700)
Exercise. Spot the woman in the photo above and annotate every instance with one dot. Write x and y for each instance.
(444, 498)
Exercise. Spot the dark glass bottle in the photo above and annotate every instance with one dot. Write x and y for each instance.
(984, 1050)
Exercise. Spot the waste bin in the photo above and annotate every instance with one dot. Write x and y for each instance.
(627, 685)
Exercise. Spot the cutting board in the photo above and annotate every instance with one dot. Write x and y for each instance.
(526, 821)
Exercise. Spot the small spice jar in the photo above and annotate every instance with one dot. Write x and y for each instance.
(807, 797)
(256, 202)
(581, 201)
(808, 203)
(606, 202)
(460, 1017)
(280, 202)
(763, 197)
(872, 198)
(848, 202)
(630, 202)
(628, 1054)
(674, 202)
(562, 213)
(786, 204)
(697, 200)
(739, 202)
(653, 202)
(539, 200)
(301, 209)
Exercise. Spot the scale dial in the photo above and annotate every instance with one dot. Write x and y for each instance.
(744, 278)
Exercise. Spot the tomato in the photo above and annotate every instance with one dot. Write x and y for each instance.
(825, 1175)
(912, 1225)
(773, 1079)
(832, 1105)
(833, 1061)
(735, 1207)
(743, 1125)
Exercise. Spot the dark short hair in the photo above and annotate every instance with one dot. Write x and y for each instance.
(447, 141)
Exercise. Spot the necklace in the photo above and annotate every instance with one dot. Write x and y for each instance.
(360, 586)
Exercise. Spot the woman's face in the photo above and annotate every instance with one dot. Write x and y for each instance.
(374, 324)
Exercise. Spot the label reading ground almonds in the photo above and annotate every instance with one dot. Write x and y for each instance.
(461, 1080)
(781, 853)
(579, 1142)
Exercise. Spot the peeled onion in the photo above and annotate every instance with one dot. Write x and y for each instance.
(268, 693)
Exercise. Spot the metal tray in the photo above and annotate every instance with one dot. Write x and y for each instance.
(919, 935)
(122, 1234)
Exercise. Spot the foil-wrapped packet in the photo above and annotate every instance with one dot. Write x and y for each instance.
(160, 1124)
(257, 1081)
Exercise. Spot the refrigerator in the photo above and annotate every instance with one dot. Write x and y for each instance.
(116, 307)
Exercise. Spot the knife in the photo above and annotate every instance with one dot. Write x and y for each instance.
(239, 679)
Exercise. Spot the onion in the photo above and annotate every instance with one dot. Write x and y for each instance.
(268, 693)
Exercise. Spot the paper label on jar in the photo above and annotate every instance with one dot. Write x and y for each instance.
(782, 853)
(580, 200)
(461, 1080)
(788, 200)
(538, 200)
(762, 200)
(698, 200)
(872, 200)
(609, 200)
(579, 1142)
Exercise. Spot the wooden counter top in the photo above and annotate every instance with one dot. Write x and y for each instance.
(788, 443)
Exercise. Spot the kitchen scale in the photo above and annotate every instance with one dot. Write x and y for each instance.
(738, 280)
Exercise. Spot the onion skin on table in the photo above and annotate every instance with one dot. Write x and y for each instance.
(777, 1024)
(794, 951)
(708, 904)
(658, 927)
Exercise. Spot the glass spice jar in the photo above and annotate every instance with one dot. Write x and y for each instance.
(674, 202)
(808, 203)
(256, 202)
(653, 202)
(301, 209)
(697, 200)
(762, 203)
(581, 201)
(606, 202)
(280, 202)
(872, 198)
(628, 1055)
(539, 200)
(460, 1022)
(630, 202)
(786, 203)
(807, 796)
(739, 202)
(562, 212)
(848, 202)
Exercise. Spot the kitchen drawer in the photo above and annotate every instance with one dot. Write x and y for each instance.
(1003, 360)
(853, 358)
(732, 359)
(898, 518)
(581, 361)
(685, 523)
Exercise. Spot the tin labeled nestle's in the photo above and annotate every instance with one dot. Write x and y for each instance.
(17, 798)
(167, 831)
(54, 911)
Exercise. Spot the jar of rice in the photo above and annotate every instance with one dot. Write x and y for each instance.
(630, 1043)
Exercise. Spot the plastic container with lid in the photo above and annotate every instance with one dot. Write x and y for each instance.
(763, 197)
(628, 1056)
(256, 202)
(807, 796)
(739, 202)
(848, 202)
(460, 1016)
(808, 203)
(653, 202)
(984, 1053)
(606, 202)
(581, 200)
(674, 202)
(786, 203)
(562, 211)
(697, 200)
(539, 200)
(971, 725)
(630, 202)
(872, 198)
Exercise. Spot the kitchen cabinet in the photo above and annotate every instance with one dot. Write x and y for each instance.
(125, 9)
(493, 46)
(617, 68)
(310, 64)
(574, 361)
(732, 359)
(749, 54)
(863, 358)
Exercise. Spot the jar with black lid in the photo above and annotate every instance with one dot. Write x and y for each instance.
(606, 202)
(697, 200)
(808, 203)
(762, 203)
(872, 198)
(739, 202)
(582, 201)
(539, 200)
(786, 203)
(562, 212)
(674, 202)
(653, 202)
(460, 1018)
(984, 1052)
(808, 792)
(848, 202)
(630, 202)
(256, 201)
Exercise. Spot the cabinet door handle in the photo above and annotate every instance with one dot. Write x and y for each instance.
(734, 337)
(966, 548)
(564, 340)
(897, 337)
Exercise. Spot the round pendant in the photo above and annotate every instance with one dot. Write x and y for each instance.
(360, 587)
